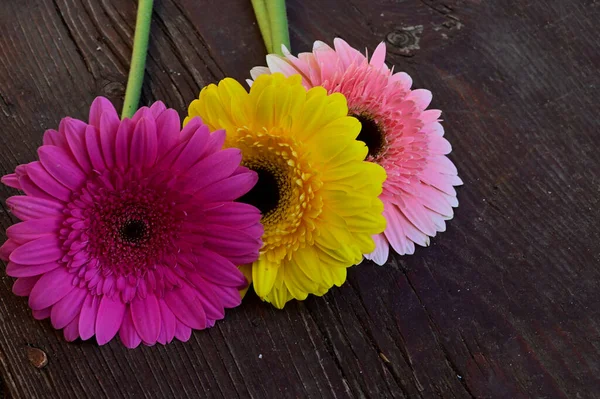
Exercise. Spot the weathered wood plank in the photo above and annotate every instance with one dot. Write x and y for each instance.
(505, 304)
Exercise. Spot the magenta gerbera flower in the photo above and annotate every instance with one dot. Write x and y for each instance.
(131, 227)
(400, 133)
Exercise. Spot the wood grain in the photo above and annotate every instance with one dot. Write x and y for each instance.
(505, 304)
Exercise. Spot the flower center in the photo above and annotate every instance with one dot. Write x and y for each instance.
(371, 134)
(133, 230)
(287, 192)
(265, 195)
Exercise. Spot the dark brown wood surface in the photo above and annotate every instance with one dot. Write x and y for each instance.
(505, 304)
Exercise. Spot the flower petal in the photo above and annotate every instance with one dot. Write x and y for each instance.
(17, 270)
(43, 250)
(144, 144)
(94, 150)
(169, 324)
(65, 310)
(187, 307)
(101, 107)
(24, 285)
(26, 207)
(87, 318)
(109, 318)
(61, 166)
(51, 288)
(75, 134)
(33, 229)
(128, 333)
(41, 178)
(145, 314)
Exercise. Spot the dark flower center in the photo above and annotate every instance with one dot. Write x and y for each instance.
(265, 194)
(371, 134)
(133, 230)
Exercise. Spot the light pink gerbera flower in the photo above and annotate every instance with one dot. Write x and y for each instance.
(401, 134)
(130, 227)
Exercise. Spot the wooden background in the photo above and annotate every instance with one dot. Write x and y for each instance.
(505, 304)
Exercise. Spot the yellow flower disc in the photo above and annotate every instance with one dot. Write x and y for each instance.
(317, 195)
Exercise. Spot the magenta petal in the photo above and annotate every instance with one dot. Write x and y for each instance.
(102, 107)
(190, 153)
(235, 214)
(32, 229)
(107, 132)
(211, 302)
(144, 144)
(169, 323)
(215, 167)
(216, 141)
(31, 189)
(167, 123)
(51, 288)
(229, 296)
(219, 270)
(42, 314)
(157, 109)
(87, 317)
(190, 128)
(122, 144)
(41, 178)
(43, 250)
(145, 314)
(17, 270)
(7, 248)
(143, 112)
(65, 310)
(229, 189)
(11, 180)
(109, 318)
(183, 332)
(186, 306)
(94, 150)
(54, 137)
(127, 332)
(75, 133)
(61, 166)
(24, 285)
(71, 331)
(25, 207)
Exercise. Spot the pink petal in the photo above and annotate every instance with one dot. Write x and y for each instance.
(53, 137)
(109, 125)
(71, 331)
(395, 233)
(190, 128)
(145, 314)
(167, 131)
(25, 207)
(215, 142)
(109, 318)
(228, 189)
(378, 57)
(51, 288)
(65, 310)
(190, 154)
(183, 332)
(32, 189)
(42, 314)
(144, 144)
(157, 109)
(279, 64)
(87, 318)
(41, 178)
(7, 248)
(219, 270)
(382, 250)
(127, 332)
(24, 285)
(11, 180)
(187, 307)
(211, 302)
(229, 296)
(43, 250)
(75, 134)
(101, 107)
(94, 150)
(123, 141)
(169, 323)
(214, 167)
(234, 214)
(421, 98)
(33, 229)
(16, 270)
(61, 166)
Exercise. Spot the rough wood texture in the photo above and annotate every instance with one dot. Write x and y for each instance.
(505, 304)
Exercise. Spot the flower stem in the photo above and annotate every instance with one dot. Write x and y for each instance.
(138, 58)
(264, 24)
(280, 33)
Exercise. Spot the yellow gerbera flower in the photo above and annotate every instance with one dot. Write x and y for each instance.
(318, 198)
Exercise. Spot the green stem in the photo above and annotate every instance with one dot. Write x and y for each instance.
(264, 24)
(280, 33)
(138, 58)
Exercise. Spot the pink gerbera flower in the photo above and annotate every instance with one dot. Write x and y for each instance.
(400, 133)
(130, 227)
